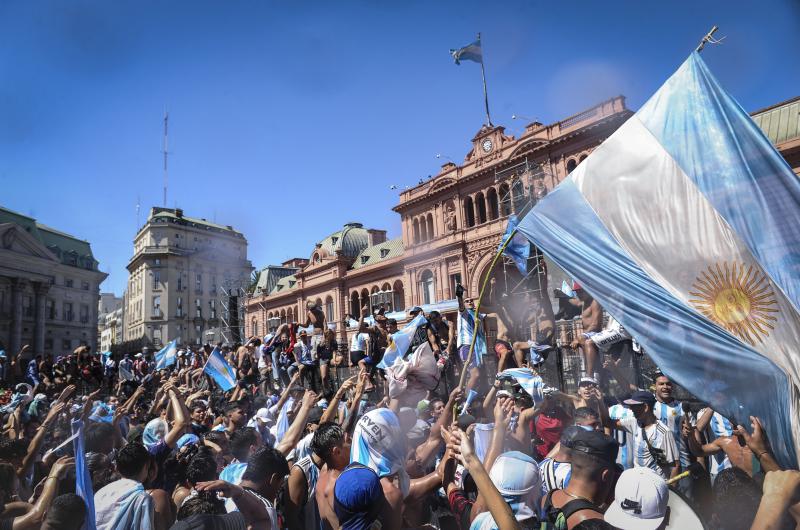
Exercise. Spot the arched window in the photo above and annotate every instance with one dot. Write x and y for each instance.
(283, 316)
(290, 315)
(430, 227)
(398, 296)
(426, 287)
(571, 165)
(469, 212)
(505, 201)
(416, 231)
(329, 310)
(583, 157)
(423, 231)
(494, 208)
(355, 306)
(254, 328)
(364, 301)
(480, 208)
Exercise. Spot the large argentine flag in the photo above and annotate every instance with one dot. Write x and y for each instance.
(220, 371)
(167, 355)
(685, 225)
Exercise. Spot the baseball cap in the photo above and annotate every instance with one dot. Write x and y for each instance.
(415, 309)
(263, 414)
(641, 397)
(515, 473)
(588, 381)
(640, 500)
(592, 443)
(187, 439)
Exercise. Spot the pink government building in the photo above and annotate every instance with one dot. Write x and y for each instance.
(452, 224)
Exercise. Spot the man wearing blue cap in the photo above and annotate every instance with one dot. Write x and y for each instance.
(358, 499)
(654, 445)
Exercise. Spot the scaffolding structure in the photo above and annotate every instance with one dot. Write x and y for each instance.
(525, 182)
(232, 296)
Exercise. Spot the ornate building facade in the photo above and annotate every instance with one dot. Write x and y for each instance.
(49, 288)
(451, 226)
(452, 223)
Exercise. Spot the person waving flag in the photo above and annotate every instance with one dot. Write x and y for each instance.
(220, 371)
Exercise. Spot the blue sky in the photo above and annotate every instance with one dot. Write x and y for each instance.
(288, 119)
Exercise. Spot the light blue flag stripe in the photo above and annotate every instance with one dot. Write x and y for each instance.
(220, 371)
(731, 161)
(83, 478)
(470, 52)
(700, 356)
(518, 249)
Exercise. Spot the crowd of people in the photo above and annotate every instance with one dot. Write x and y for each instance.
(421, 435)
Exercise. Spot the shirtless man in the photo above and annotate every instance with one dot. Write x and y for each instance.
(592, 320)
(331, 451)
(315, 317)
(542, 317)
(743, 449)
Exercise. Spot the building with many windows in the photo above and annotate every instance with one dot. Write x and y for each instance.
(183, 274)
(49, 287)
(452, 223)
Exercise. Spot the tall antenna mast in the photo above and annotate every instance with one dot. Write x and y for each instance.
(165, 151)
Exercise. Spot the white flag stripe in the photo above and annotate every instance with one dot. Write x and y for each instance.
(641, 195)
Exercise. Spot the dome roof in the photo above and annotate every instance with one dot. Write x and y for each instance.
(350, 241)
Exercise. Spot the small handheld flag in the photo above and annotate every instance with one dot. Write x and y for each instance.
(167, 355)
(220, 371)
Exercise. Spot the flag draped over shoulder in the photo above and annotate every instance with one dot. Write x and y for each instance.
(685, 225)
(518, 249)
(400, 341)
(167, 356)
(220, 371)
(470, 52)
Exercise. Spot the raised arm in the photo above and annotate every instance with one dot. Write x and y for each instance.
(35, 517)
(502, 417)
(295, 430)
(759, 444)
(285, 396)
(333, 406)
(498, 507)
(38, 439)
(181, 422)
(252, 508)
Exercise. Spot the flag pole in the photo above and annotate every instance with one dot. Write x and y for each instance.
(708, 38)
(478, 307)
(485, 92)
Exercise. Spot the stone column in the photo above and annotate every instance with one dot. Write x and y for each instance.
(17, 288)
(41, 290)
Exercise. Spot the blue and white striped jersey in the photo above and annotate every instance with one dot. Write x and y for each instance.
(623, 438)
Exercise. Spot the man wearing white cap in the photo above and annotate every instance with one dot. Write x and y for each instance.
(640, 501)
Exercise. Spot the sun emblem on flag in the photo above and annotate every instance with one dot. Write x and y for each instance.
(738, 298)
